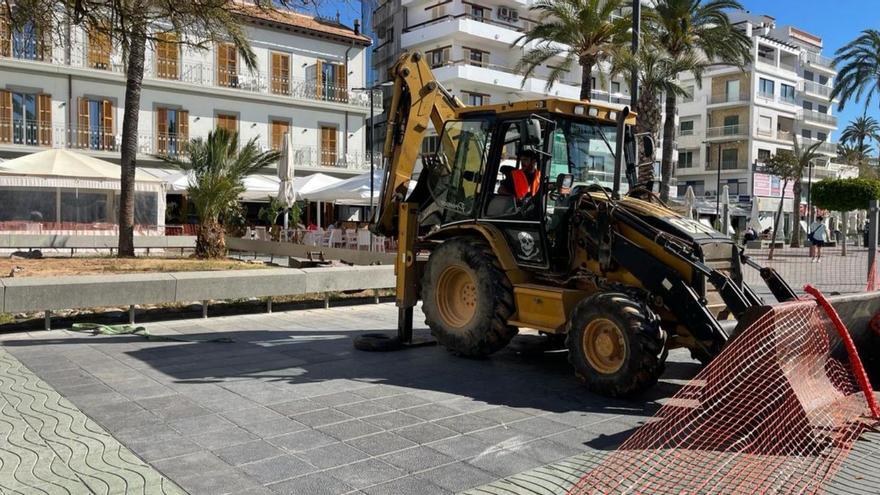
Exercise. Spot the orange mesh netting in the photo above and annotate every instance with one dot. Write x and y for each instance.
(776, 412)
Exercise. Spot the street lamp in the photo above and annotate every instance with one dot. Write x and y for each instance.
(371, 90)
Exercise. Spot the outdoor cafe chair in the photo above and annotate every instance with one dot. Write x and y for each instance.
(363, 239)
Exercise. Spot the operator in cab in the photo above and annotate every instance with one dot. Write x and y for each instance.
(528, 159)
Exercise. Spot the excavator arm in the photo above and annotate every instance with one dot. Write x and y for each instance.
(417, 101)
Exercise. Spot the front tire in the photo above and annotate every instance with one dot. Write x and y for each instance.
(615, 344)
(467, 298)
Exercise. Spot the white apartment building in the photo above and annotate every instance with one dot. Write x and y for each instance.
(71, 93)
(469, 46)
(739, 118)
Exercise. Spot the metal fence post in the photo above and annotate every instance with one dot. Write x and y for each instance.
(873, 226)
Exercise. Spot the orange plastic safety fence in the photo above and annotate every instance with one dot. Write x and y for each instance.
(776, 412)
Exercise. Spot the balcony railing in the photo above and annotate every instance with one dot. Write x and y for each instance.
(510, 70)
(99, 139)
(819, 117)
(726, 98)
(817, 59)
(825, 147)
(202, 74)
(521, 26)
(817, 89)
(779, 134)
(610, 98)
(727, 131)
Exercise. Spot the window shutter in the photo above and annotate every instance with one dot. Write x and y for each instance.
(341, 84)
(162, 130)
(82, 125)
(182, 126)
(5, 116)
(319, 79)
(107, 124)
(44, 111)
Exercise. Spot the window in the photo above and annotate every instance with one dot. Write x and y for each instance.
(437, 11)
(464, 147)
(167, 56)
(95, 129)
(172, 130)
(806, 133)
(766, 88)
(329, 80)
(475, 99)
(430, 144)
(808, 75)
(729, 158)
(686, 128)
(685, 159)
(821, 136)
(786, 93)
(24, 42)
(25, 118)
(99, 50)
(227, 65)
(280, 73)
(765, 125)
(763, 156)
(438, 57)
(479, 58)
(823, 80)
(690, 94)
(328, 146)
(279, 129)
(731, 125)
(615, 87)
(731, 89)
(736, 187)
(579, 149)
(518, 177)
(823, 108)
(698, 186)
(227, 121)
(808, 105)
(477, 12)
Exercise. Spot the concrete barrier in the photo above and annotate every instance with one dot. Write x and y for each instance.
(352, 256)
(52, 241)
(94, 291)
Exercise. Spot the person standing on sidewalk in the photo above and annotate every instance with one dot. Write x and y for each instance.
(818, 236)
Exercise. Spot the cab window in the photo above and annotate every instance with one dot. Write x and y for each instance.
(458, 167)
(518, 178)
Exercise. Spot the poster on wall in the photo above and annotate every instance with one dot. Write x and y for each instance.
(770, 186)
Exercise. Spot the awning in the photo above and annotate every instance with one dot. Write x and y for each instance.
(65, 163)
(353, 191)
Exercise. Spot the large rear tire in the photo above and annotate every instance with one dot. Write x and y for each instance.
(615, 344)
(467, 299)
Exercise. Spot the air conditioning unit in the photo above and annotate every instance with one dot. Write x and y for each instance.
(508, 14)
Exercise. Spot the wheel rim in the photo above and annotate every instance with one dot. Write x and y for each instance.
(604, 345)
(456, 296)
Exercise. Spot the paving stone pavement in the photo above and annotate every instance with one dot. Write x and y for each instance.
(291, 408)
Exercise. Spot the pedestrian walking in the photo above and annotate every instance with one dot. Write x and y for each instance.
(818, 236)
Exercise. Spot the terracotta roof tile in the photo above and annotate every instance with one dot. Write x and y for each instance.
(304, 22)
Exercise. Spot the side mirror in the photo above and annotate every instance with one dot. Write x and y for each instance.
(564, 183)
(531, 135)
(648, 146)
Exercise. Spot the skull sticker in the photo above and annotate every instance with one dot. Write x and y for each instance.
(527, 244)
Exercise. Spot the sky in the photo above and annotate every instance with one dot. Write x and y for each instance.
(837, 22)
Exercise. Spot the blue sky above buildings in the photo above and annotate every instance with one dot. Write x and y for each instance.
(836, 21)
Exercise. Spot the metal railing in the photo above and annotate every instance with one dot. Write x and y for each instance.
(817, 59)
(610, 98)
(825, 147)
(523, 24)
(727, 131)
(510, 70)
(203, 74)
(817, 89)
(822, 118)
(726, 98)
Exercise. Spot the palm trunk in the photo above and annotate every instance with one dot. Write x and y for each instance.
(778, 218)
(587, 78)
(211, 240)
(648, 120)
(134, 76)
(796, 213)
(668, 138)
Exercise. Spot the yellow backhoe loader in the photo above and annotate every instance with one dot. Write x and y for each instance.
(518, 220)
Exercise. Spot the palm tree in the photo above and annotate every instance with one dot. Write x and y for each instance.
(218, 168)
(694, 29)
(657, 75)
(585, 32)
(857, 157)
(859, 74)
(803, 157)
(860, 130)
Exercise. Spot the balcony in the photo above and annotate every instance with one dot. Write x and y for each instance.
(98, 140)
(778, 134)
(728, 99)
(204, 75)
(727, 133)
(818, 61)
(817, 89)
(818, 118)
(597, 95)
(827, 148)
(495, 77)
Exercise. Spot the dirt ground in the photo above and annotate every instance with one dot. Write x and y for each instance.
(54, 267)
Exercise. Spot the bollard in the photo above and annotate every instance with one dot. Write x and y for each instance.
(204, 309)
(326, 300)
(269, 304)
(48, 320)
(376, 296)
(131, 314)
